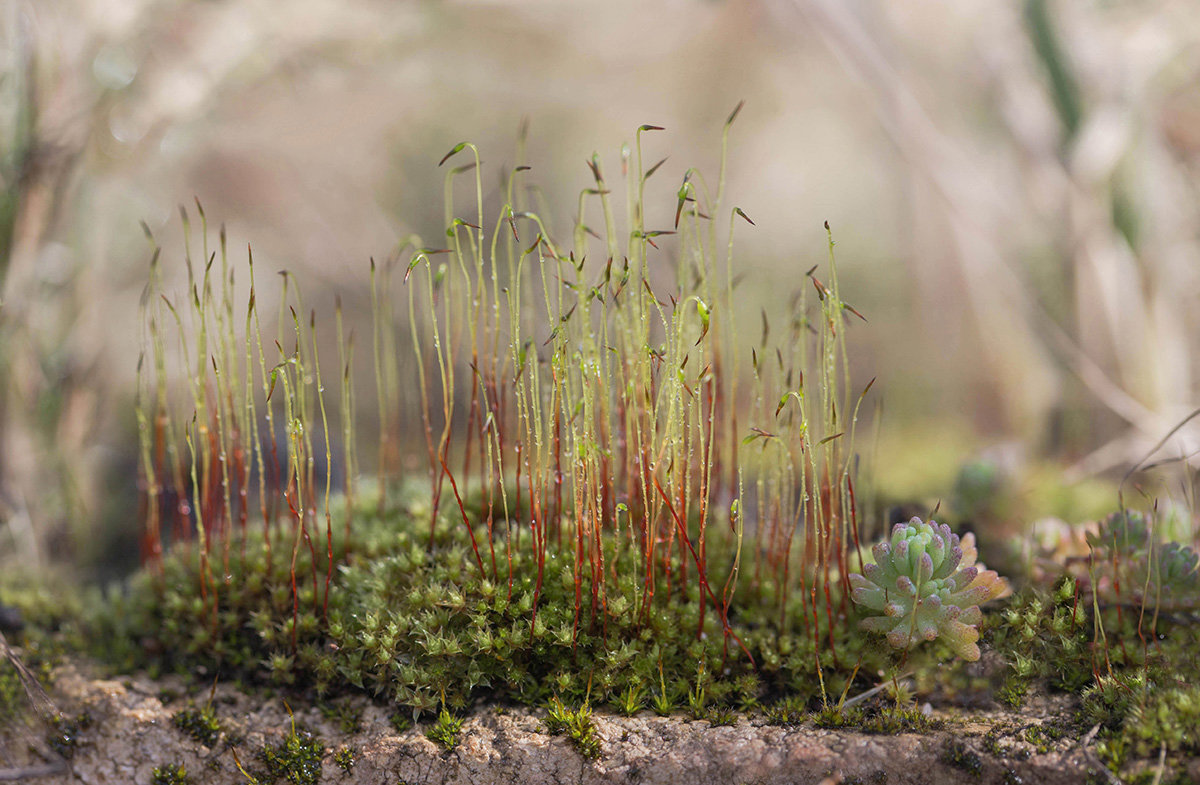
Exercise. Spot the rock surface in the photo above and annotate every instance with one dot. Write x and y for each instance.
(131, 732)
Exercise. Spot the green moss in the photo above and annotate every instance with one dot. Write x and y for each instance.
(48, 628)
(201, 724)
(344, 758)
(1046, 637)
(787, 711)
(960, 756)
(482, 584)
(63, 737)
(296, 760)
(413, 624)
(834, 717)
(718, 716)
(170, 774)
(885, 718)
(576, 724)
(587, 586)
(347, 714)
(1042, 737)
(631, 700)
(12, 692)
(893, 719)
(1012, 693)
(445, 730)
(1141, 714)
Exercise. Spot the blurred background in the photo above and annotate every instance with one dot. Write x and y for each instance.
(1012, 188)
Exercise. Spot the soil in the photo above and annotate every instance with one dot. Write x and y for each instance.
(126, 731)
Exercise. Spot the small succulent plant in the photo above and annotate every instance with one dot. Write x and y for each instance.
(1130, 565)
(926, 584)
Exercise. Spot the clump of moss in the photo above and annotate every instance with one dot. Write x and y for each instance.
(1143, 713)
(296, 760)
(568, 538)
(445, 730)
(347, 714)
(1045, 637)
(631, 700)
(833, 717)
(40, 627)
(1042, 737)
(719, 716)
(201, 724)
(577, 724)
(344, 758)
(786, 711)
(886, 719)
(961, 756)
(63, 737)
(414, 623)
(1134, 667)
(13, 700)
(169, 774)
(399, 722)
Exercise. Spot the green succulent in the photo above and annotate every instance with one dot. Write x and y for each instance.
(926, 584)
(1130, 565)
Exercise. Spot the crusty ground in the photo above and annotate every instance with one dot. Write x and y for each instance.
(132, 732)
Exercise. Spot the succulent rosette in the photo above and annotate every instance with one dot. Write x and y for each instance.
(1129, 565)
(926, 584)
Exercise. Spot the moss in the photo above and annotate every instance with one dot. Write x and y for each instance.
(41, 628)
(413, 624)
(435, 599)
(960, 756)
(399, 721)
(576, 724)
(1012, 693)
(12, 692)
(718, 716)
(894, 719)
(445, 730)
(631, 700)
(1045, 636)
(834, 717)
(169, 774)
(786, 711)
(296, 760)
(888, 719)
(63, 737)
(1141, 714)
(344, 758)
(1042, 737)
(347, 714)
(200, 724)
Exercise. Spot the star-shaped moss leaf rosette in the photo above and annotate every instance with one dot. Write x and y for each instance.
(925, 583)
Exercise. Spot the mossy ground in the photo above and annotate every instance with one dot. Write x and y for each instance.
(422, 630)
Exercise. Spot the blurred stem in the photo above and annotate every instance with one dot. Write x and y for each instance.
(46, 407)
(1064, 88)
(16, 155)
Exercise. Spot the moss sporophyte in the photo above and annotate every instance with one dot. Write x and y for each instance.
(624, 501)
(619, 487)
